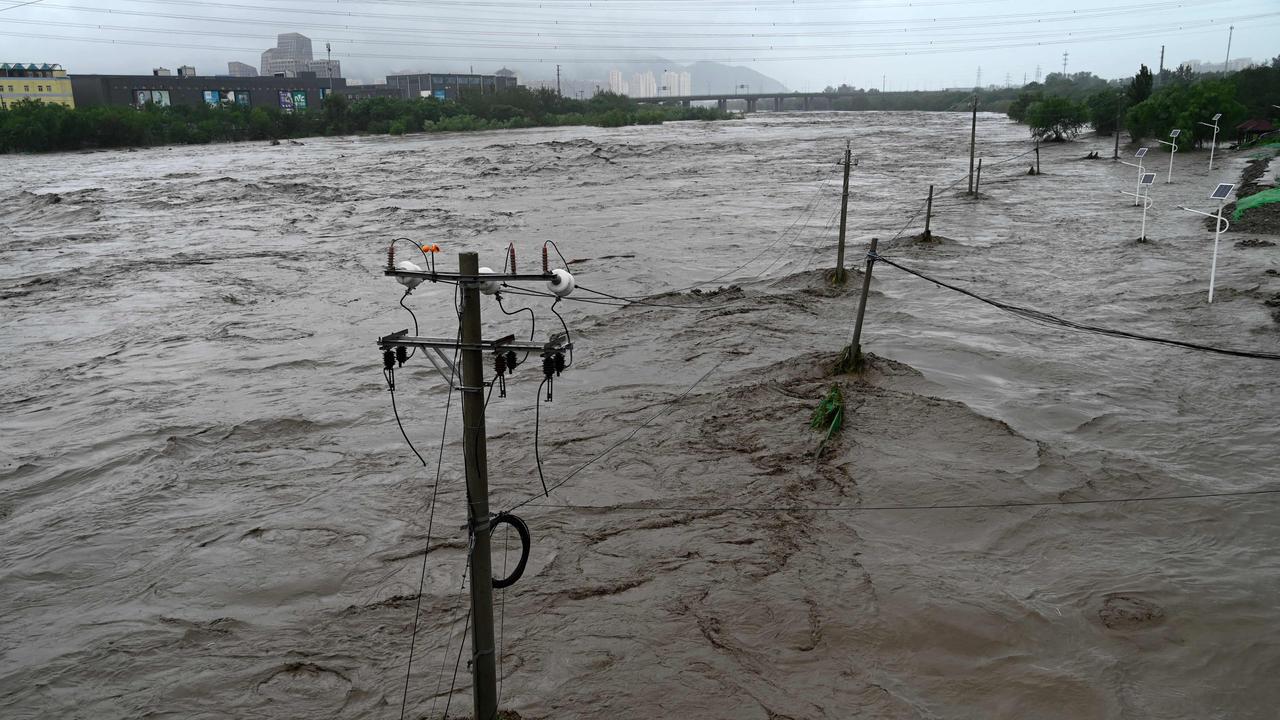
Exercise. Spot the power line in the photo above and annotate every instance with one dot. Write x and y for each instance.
(1044, 317)
(905, 508)
(665, 409)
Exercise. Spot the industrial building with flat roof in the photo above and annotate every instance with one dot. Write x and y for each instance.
(286, 93)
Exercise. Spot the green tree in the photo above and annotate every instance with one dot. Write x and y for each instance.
(1018, 108)
(1140, 87)
(1056, 118)
(1105, 107)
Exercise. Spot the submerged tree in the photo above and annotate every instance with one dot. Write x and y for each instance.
(1104, 110)
(1056, 118)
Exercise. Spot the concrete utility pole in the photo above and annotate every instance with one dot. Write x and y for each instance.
(477, 468)
(1226, 64)
(973, 138)
(1115, 154)
(471, 346)
(844, 212)
(1064, 63)
(557, 80)
(328, 64)
(1161, 70)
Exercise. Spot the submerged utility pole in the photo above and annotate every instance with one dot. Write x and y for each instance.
(477, 468)
(928, 215)
(855, 347)
(973, 138)
(471, 346)
(1115, 154)
(844, 212)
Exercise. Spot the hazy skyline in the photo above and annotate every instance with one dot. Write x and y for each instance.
(805, 44)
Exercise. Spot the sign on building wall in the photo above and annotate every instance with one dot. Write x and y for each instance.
(158, 97)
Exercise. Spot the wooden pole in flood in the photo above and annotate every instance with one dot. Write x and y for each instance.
(856, 346)
(928, 215)
(973, 138)
(844, 211)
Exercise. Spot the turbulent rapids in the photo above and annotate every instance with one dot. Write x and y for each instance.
(207, 510)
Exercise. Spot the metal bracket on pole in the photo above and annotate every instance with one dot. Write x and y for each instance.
(468, 279)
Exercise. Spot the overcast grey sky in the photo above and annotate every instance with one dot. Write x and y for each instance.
(805, 44)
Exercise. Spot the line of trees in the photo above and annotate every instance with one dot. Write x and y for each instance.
(1063, 106)
(39, 127)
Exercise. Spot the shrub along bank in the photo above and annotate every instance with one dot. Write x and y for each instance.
(39, 127)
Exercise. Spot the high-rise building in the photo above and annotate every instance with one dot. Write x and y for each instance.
(616, 83)
(291, 55)
(686, 84)
(670, 83)
(643, 85)
(239, 69)
(295, 45)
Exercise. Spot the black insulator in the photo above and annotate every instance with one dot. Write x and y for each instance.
(402, 354)
(512, 362)
(391, 256)
(559, 359)
(548, 365)
(500, 364)
(388, 359)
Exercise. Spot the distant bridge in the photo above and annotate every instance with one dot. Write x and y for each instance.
(752, 99)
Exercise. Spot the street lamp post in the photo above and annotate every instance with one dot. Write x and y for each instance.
(1214, 145)
(1173, 150)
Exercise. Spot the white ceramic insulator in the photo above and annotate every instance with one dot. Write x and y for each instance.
(489, 287)
(409, 282)
(563, 283)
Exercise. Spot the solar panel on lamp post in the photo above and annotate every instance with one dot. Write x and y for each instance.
(1213, 145)
(1173, 150)
(1142, 152)
(1144, 182)
(1220, 226)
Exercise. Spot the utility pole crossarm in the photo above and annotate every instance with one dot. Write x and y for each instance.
(434, 276)
(402, 339)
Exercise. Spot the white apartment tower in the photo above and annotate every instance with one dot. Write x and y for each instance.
(616, 83)
(670, 83)
(686, 84)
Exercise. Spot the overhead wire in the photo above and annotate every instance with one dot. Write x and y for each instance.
(1044, 317)
(413, 638)
(667, 407)
(904, 507)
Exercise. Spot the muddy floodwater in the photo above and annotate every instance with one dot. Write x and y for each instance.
(208, 511)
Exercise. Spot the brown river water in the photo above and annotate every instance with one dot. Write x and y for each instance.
(207, 510)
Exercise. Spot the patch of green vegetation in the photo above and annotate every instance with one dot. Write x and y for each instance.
(1266, 197)
(829, 415)
(38, 127)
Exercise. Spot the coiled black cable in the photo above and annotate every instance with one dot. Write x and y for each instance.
(525, 544)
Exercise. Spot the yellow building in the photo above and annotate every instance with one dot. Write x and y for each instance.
(46, 83)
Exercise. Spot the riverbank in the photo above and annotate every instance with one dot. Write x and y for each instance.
(38, 127)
